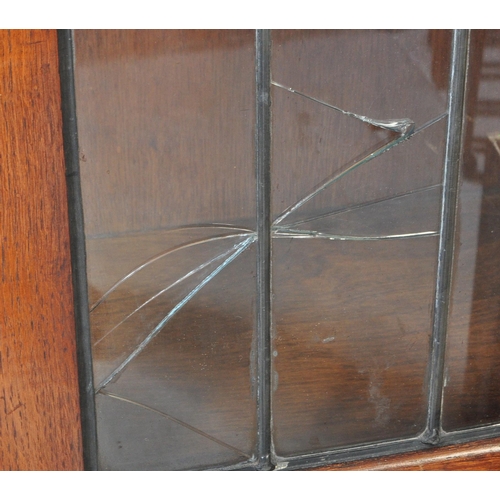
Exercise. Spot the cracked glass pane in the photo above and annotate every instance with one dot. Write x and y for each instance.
(327, 144)
(401, 177)
(136, 438)
(382, 74)
(167, 125)
(134, 308)
(407, 215)
(198, 369)
(334, 154)
(472, 379)
(166, 135)
(356, 213)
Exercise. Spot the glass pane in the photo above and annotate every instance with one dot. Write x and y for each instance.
(381, 74)
(166, 132)
(357, 167)
(196, 375)
(472, 378)
(166, 125)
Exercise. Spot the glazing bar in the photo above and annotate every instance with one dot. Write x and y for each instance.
(263, 157)
(454, 144)
(77, 242)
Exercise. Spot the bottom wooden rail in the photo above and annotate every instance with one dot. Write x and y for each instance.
(478, 455)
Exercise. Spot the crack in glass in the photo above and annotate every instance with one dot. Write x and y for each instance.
(176, 420)
(360, 206)
(178, 281)
(297, 233)
(238, 249)
(403, 128)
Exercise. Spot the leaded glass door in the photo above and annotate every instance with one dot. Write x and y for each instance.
(269, 227)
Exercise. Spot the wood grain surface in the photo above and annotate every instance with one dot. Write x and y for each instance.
(480, 455)
(39, 408)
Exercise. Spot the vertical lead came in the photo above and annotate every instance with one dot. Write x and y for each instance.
(262, 159)
(454, 145)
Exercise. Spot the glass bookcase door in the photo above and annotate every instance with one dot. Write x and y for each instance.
(188, 373)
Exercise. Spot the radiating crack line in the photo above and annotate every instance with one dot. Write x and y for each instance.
(176, 420)
(359, 206)
(160, 256)
(211, 225)
(431, 122)
(402, 126)
(316, 234)
(364, 159)
(181, 279)
(338, 176)
(240, 248)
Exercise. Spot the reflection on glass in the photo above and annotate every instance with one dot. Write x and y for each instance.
(472, 378)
